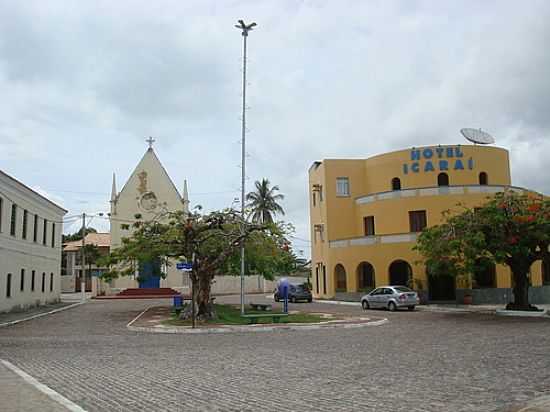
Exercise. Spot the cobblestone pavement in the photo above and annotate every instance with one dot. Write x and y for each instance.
(11, 316)
(419, 361)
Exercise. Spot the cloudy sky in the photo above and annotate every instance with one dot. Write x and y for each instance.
(84, 83)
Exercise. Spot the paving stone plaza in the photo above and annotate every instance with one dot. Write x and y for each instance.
(417, 361)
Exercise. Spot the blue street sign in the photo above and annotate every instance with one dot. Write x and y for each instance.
(186, 267)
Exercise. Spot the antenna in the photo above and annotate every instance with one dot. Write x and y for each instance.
(477, 136)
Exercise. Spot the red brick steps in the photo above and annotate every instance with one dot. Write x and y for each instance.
(143, 293)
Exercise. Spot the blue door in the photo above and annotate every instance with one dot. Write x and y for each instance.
(149, 275)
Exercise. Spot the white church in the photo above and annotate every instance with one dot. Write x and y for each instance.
(149, 192)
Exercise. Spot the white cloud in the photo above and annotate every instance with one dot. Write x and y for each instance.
(85, 83)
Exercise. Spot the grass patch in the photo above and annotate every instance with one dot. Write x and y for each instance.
(231, 315)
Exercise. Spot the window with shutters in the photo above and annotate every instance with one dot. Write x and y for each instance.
(13, 222)
(25, 224)
(368, 225)
(417, 220)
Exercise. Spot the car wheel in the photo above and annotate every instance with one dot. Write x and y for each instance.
(365, 305)
(276, 298)
(392, 307)
(310, 300)
(411, 308)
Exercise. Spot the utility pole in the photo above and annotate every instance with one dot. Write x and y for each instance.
(83, 259)
(244, 31)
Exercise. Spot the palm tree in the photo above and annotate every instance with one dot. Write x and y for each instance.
(263, 202)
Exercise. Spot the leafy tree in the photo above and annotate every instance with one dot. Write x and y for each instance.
(211, 242)
(509, 229)
(267, 254)
(77, 235)
(91, 254)
(263, 202)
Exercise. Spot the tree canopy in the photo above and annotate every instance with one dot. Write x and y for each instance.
(511, 229)
(210, 242)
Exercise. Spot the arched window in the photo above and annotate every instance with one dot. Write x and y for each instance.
(443, 179)
(483, 179)
(400, 273)
(340, 277)
(396, 184)
(365, 276)
(51, 282)
(484, 274)
(43, 282)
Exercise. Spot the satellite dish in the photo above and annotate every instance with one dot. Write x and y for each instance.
(477, 136)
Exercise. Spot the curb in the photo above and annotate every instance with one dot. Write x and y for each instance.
(49, 392)
(39, 315)
(522, 314)
(248, 328)
(337, 302)
(539, 404)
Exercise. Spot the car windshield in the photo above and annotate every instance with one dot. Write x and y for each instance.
(299, 288)
(403, 289)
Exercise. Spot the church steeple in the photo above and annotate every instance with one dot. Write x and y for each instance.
(185, 197)
(113, 189)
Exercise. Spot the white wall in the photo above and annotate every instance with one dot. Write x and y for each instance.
(17, 253)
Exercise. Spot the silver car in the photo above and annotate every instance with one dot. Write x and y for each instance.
(390, 297)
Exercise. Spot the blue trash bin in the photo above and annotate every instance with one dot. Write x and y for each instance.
(178, 301)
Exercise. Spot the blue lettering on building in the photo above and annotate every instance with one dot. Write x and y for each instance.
(450, 157)
(415, 154)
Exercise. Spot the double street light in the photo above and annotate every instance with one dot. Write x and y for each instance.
(245, 28)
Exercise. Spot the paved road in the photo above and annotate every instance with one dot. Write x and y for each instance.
(417, 362)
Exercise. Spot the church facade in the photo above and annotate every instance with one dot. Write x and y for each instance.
(149, 192)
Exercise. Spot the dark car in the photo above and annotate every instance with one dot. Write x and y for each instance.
(295, 293)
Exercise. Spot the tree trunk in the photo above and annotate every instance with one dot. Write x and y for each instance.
(204, 307)
(521, 288)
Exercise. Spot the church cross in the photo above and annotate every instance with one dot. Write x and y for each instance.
(150, 141)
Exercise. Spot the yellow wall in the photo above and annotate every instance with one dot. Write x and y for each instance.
(342, 217)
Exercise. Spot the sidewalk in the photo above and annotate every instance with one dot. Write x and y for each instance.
(19, 395)
(437, 307)
(67, 301)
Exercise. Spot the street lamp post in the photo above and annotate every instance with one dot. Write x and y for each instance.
(244, 31)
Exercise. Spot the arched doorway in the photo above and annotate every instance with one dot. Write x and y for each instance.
(441, 285)
(546, 272)
(485, 274)
(365, 276)
(340, 278)
(400, 273)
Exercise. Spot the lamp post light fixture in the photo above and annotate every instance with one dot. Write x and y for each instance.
(245, 28)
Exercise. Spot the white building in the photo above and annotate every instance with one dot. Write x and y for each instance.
(30, 246)
(148, 192)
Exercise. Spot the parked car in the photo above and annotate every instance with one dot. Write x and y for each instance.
(390, 297)
(295, 293)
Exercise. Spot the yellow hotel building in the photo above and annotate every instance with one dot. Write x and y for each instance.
(366, 214)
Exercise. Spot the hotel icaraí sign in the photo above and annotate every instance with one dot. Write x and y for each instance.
(431, 159)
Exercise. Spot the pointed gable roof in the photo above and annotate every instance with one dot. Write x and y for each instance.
(150, 158)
